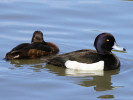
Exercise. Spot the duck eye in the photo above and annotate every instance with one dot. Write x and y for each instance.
(107, 40)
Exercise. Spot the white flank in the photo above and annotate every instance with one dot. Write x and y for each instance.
(16, 56)
(83, 66)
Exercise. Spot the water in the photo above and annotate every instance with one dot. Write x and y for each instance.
(72, 25)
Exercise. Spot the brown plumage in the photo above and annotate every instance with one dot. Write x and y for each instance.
(37, 48)
(54, 47)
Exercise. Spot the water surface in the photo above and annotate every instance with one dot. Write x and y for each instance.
(72, 25)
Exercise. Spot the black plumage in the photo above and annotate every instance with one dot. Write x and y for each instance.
(103, 43)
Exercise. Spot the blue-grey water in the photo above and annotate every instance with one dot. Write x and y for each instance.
(72, 25)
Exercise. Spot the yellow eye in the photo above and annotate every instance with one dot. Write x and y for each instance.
(107, 40)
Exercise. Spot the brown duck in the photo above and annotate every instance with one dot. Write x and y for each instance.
(37, 48)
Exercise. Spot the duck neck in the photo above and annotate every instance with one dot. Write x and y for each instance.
(45, 43)
(103, 51)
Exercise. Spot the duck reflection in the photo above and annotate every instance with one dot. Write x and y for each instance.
(127, 0)
(101, 81)
(35, 64)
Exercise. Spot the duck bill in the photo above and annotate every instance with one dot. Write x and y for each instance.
(116, 47)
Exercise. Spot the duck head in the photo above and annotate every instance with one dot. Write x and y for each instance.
(37, 37)
(105, 42)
